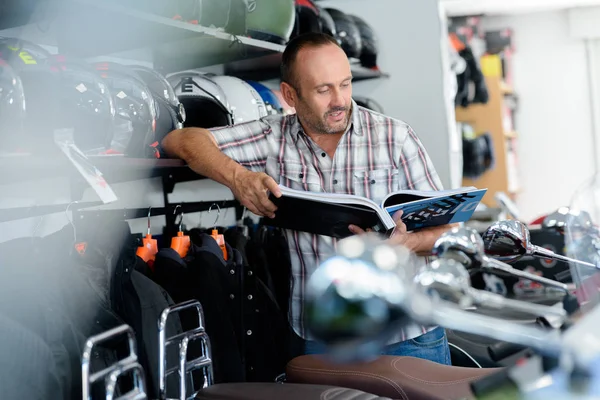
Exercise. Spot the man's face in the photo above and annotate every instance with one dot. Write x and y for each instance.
(324, 80)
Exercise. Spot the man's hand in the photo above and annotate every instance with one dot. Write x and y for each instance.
(399, 236)
(251, 189)
(420, 242)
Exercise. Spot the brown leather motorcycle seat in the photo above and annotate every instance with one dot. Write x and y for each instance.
(278, 391)
(405, 378)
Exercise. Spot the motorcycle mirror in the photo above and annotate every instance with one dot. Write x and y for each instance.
(445, 279)
(462, 244)
(508, 241)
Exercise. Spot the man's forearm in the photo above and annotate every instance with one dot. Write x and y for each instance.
(198, 148)
(422, 241)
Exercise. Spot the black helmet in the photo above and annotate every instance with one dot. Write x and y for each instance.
(40, 90)
(136, 111)
(307, 18)
(171, 112)
(370, 45)
(327, 23)
(64, 94)
(347, 33)
(27, 60)
(86, 104)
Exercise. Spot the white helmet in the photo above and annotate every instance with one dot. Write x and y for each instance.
(245, 102)
(205, 102)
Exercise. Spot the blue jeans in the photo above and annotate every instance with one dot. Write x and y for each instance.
(431, 346)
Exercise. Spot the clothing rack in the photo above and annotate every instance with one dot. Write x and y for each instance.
(259, 318)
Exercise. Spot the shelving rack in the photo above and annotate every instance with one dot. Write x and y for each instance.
(495, 118)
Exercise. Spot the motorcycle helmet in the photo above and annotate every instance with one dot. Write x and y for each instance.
(370, 46)
(171, 113)
(41, 89)
(136, 112)
(86, 105)
(272, 103)
(245, 102)
(307, 17)
(12, 108)
(327, 23)
(348, 33)
(204, 101)
(271, 20)
(369, 103)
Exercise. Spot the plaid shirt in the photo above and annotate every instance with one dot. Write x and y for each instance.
(375, 156)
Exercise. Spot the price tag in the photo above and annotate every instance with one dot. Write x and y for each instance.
(64, 140)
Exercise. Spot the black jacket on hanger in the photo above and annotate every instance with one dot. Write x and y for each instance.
(264, 326)
(259, 324)
(203, 275)
(137, 299)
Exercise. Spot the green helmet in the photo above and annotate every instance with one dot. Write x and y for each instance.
(271, 20)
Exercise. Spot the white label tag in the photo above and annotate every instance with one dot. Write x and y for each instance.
(64, 140)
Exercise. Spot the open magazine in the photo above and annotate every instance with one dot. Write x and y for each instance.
(330, 214)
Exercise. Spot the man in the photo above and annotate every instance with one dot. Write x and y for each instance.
(331, 145)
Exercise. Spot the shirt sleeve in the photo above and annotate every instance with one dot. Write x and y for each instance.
(245, 143)
(416, 165)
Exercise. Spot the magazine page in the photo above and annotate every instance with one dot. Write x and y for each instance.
(439, 211)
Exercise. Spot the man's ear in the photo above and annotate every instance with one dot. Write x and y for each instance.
(289, 94)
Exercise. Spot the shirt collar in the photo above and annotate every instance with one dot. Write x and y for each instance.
(354, 124)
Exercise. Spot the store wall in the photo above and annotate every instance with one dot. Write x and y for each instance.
(554, 119)
(411, 51)
(411, 43)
